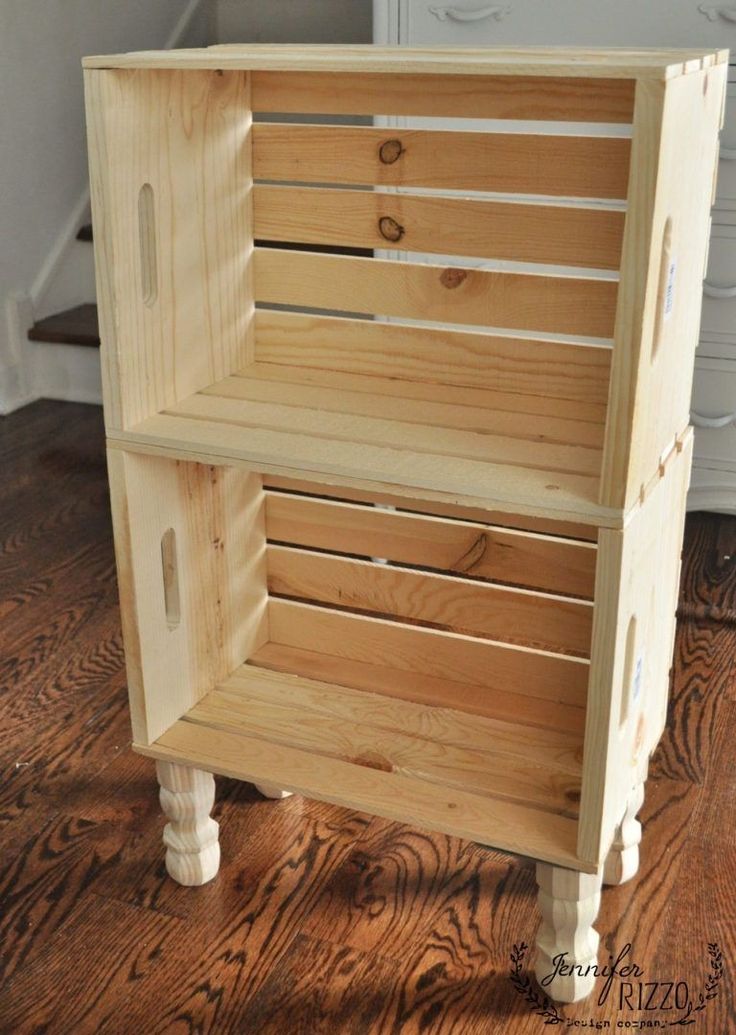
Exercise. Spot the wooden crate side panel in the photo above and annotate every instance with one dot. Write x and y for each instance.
(179, 642)
(674, 154)
(171, 175)
(633, 636)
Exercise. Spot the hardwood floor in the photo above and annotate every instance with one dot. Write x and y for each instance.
(322, 921)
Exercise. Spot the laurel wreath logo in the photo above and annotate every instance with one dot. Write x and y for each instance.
(541, 1004)
(547, 1009)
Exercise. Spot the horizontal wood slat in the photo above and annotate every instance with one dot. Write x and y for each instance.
(465, 358)
(383, 469)
(504, 555)
(460, 96)
(440, 694)
(421, 403)
(562, 749)
(509, 163)
(461, 605)
(310, 716)
(499, 667)
(569, 530)
(518, 301)
(508, 825)
(338, 426)
(555, 234)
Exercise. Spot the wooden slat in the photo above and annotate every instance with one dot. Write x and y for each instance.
(505, 555)
(561, 748)
(434, 508)
(507, 825)
(556, 234)
(383, 469)
(347, 427)
(551, 417)
(464, 358)
(317, 718)
(554, 62)
(500, 667)
(460, 605)
(519, 301)
(509, 163)
(461, 96)
(435, 692)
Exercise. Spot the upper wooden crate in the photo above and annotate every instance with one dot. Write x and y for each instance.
(554, 381)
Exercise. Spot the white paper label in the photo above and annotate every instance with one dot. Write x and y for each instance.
(636, 689)
(669, 295)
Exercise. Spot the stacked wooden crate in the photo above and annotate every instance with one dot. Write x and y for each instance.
(406, 564)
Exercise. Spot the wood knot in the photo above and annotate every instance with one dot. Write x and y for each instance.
(389, 229)
(373, 761)
(390, 151)
(573, 794)
(453, 277)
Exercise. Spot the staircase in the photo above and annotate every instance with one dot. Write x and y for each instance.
(76, 326)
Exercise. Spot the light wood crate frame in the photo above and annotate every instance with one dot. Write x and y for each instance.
(420, 568)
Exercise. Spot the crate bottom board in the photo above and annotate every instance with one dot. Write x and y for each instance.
(302, 423)
(508, 784)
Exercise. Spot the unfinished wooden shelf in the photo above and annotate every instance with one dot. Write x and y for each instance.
(397, 534)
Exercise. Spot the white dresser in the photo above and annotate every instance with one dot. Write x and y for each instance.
(627, 23)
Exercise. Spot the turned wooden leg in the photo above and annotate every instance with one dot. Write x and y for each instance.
(622, 861)
(192, 848)
(270, 790)
(567, 944)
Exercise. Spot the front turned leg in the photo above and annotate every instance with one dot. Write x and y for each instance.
(270, 790)
(567, 944)
(191, 836)
(622, 861)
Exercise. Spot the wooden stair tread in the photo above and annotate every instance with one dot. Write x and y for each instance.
(76, 326)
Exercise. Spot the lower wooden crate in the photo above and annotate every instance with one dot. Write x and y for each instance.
(441, 669)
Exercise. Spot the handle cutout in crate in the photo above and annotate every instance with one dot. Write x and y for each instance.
(632, 674)
(666, 287)
(170, 573)
(147, 244)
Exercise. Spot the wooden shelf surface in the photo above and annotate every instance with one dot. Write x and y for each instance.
(493, 449)
(495, 780)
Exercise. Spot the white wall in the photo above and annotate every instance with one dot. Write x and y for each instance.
(43, 160)
(294, 21)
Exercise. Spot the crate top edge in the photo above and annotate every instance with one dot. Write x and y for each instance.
(564, 62)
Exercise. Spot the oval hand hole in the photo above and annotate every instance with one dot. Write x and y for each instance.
(390, 151)
(453, 277)
(390, 230)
